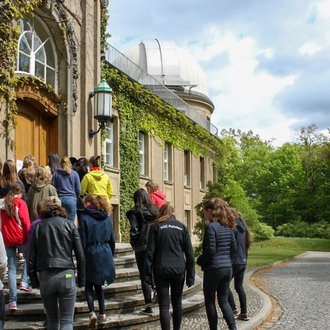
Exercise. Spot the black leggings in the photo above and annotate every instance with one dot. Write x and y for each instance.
(162, 287)
(216, 281)
(238, 275)
(89, 296)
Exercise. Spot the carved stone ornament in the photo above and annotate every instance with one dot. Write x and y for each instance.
(104, 4)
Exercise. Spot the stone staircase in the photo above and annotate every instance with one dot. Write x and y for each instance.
(123, 300)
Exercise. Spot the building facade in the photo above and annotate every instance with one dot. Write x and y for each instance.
(58, 65)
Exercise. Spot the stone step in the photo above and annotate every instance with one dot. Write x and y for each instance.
(126, 303)
(115, 319)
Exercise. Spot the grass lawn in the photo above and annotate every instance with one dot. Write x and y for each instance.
(279, 248)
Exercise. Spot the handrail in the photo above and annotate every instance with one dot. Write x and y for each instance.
(131, 69)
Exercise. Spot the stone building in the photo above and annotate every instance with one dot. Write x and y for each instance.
(58, 65)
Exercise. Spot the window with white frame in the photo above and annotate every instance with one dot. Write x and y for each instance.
(168, 162)
(36, 55)
(109, 145)
(143, 153)
(202, 172)
(187, 167)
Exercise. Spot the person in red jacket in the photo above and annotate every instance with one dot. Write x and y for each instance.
(15, 225)
(156, 195)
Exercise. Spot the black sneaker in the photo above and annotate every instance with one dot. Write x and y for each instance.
(147, 311)
(243, 317)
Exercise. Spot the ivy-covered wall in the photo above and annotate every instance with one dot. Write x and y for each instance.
(141, 110)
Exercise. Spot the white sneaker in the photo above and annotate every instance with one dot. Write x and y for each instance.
(102, 318)
(92, 320)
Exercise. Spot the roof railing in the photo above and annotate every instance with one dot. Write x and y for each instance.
(121, 62)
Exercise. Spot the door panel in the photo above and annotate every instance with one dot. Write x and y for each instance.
(35, 133)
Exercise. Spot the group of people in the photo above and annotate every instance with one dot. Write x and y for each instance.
(38, 208)
(165, 258)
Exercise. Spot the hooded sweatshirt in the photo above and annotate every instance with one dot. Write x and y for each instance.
(158, 198)
(15, 228)
(240, 236)
(67, 185)
(97, 183)
(139, 221)
(38, 191)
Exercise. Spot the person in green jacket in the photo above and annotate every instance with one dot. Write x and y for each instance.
(96, 182)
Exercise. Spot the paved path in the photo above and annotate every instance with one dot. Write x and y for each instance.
(197, 320)
(302, 289)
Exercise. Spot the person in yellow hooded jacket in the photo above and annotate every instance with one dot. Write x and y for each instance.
(96, 182)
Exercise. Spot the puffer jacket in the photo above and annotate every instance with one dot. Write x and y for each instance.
(96, 183)
(240, 236)
(139, 221)
(219, 247)
(51, 247)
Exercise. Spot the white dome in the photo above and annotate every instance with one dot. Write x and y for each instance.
(169, 64)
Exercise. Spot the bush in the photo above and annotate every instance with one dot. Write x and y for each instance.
(302, 229)
(263, 232)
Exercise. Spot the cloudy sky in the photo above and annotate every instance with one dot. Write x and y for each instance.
(267, 62)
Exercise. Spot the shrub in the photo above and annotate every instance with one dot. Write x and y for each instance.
(302, 229)
(263, 232)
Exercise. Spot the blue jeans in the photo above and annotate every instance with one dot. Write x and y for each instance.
(12, 270)
(216, 281)
(70, 205)
(238, 275)
(59, 298)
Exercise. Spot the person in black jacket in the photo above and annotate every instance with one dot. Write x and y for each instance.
(171, 259)
(50, 262)
(219, 248)
(140, 216)
(243, 241)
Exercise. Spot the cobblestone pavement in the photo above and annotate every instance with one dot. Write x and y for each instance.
(197, 320)
(302, 289)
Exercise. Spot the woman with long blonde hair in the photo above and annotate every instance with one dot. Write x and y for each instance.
(219, 248)
(67, 184)
(171, 257)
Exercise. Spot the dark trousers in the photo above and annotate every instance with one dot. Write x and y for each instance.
(162, 286)
(238, 275)
(216, 281)
(141, 260)
(90, 299)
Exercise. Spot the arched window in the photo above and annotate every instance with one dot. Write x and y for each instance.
(36, 54)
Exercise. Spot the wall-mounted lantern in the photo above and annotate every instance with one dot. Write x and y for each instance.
(102, 105)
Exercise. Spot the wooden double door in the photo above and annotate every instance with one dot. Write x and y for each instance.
(35, 133)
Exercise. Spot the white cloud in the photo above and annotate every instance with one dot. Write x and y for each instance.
(252, 52)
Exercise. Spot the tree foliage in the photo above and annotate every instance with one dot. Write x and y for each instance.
(280, 185)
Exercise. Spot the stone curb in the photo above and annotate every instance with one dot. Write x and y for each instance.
(265, 310)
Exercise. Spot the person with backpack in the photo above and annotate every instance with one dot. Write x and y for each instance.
(140, 216)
